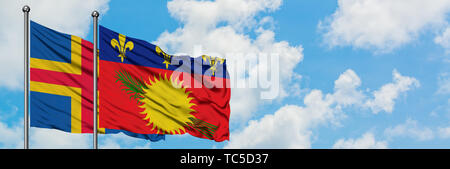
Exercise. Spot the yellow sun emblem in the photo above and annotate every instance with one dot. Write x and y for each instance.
(167, 105)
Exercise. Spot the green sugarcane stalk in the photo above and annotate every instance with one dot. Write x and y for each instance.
(203, 127)
(132, 86)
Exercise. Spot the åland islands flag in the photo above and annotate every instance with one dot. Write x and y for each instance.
(145, 90)
(61, 83)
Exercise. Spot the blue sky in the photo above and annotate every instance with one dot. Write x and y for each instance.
(372, 78)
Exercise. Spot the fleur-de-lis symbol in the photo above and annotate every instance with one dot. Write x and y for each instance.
(213, 62)
(167, 57)
(122, 46)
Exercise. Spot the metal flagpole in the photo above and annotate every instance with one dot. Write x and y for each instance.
(95, 15)
(26, 10)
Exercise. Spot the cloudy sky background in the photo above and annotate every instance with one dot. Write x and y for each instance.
(353, 73)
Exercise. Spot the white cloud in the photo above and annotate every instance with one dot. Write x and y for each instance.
(345, 89)
(120, 140)
(42, 138)
(222, 29)
(56, 139)
(286, 128)
(444, 83)
(291, 126)
(410, 129)
(384, 98)
(11, 136)
(444, 132)
(382, 25)
(72, 17)
(366, 141)
(444, 39)
(206, 14)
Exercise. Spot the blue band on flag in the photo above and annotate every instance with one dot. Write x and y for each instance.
(49, 44)
(151, 137)
(50, 111)
(145, 54)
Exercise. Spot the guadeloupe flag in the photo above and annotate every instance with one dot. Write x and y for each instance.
(145, 90)
(61, 83)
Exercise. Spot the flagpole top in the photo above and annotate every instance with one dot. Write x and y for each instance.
(95, 14)
(26, 8)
